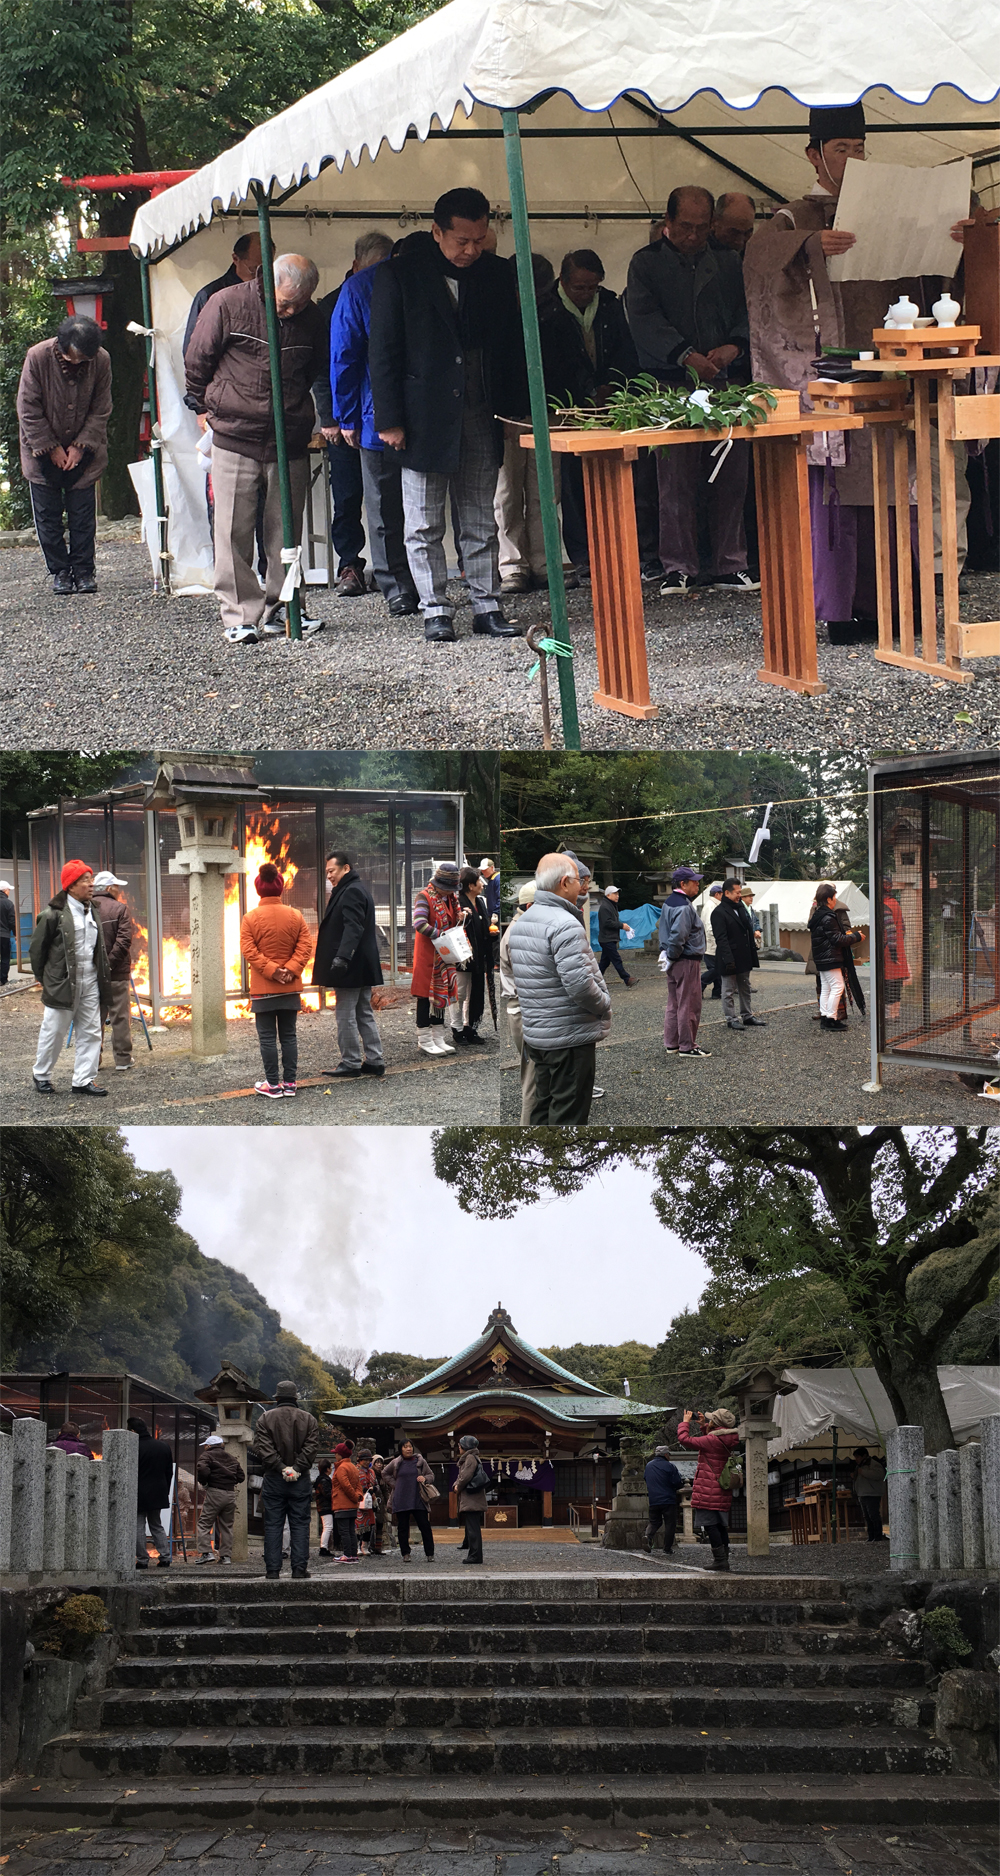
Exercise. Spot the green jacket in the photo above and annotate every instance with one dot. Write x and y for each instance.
(53, 956)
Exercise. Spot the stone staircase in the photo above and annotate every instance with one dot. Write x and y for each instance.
(532, 1697)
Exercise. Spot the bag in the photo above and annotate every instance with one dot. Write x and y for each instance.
(479, 1480)
(366, 1502)
(732, 1472)
(454, 946)
(428, 1492)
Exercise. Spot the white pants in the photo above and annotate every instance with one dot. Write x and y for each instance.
(831, 991)
(86, 1019)
(459, 1010)
(327, 1531)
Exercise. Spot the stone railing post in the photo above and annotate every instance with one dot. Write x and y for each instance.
(121, 1457)
(97, 1515)
(990, 1451)
(949, 1511)
(78, 1470)
(28, 1497)
(927, 1512)
(6, 1494)
(54, 1539)
(970, 1473)
(904, 1448)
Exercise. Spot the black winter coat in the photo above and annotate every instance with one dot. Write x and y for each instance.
(156, 1470)
(616, 357)
(348, 931)
(735, 945)
(7, 918)
(676, 302)
(417, 361)
(609, 925)
(830, 943)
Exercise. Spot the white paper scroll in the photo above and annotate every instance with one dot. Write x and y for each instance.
(902, 219)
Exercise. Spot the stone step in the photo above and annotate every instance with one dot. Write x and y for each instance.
(668, 1800)
(593, 1752)
(518, 1670)
(330, 1639)
(378, 1580)
(503, 1709)
(291, 1611)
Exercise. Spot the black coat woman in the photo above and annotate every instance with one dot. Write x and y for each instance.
(471, 978)
(831, 948)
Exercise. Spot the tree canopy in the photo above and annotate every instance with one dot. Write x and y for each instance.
(898, 1226)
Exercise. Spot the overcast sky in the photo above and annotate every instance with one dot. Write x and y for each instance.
(347, 1232)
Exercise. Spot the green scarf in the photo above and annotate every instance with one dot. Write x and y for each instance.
(585, 319)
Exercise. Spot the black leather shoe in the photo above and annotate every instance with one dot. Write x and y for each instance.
(470, 1035)
(494, 625)
(43, 1087)
(439, 632)
(754, 1022)
(373, 1068)
(301, 1573)
(85, 582)
(62, 584)
(403, 608)
(342, 1073)
(91, 1088)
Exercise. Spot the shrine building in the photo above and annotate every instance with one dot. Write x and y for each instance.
(548, 1437)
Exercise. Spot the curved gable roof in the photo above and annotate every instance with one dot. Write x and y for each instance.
(499, 1328)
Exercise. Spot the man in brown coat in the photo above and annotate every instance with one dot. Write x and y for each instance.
(220, 1474)
(229, 388)
(63, 406)
(286, 1441)
(118, 931)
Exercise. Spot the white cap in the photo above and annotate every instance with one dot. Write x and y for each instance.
(5, 885)
(608, 889)
(486, 862)
(107, 879)
(214, 1439)
(526, 893)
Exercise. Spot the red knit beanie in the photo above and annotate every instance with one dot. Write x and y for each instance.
(345, 1449)
(269, 883)
(72, 871)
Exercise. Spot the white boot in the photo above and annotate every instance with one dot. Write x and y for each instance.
(426, 1042)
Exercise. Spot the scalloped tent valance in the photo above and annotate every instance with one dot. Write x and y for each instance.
(743, 61)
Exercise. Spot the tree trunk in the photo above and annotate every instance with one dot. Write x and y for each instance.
(919, 1389)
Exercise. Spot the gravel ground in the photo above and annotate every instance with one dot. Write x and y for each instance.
(124, 668)
(699, 1850)
(168, 1088)
(792, 1071)
(581, 1557)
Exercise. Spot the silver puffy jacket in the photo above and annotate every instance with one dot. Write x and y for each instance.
(564, 1001)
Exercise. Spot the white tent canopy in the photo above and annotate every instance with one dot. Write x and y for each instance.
(854, 1401)
(793, 898)
(749, 59)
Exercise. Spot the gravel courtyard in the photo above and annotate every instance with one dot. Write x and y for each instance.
(790, 1072)
(122, 668)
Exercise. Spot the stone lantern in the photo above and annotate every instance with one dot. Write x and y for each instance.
(756, 1393)
(234, 1398)
(207, 796)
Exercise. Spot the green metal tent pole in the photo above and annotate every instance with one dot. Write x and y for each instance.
(161, 580)
(277, 397)
(540, 424)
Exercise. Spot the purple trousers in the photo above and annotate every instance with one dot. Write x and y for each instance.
(843, 552)
(683, 1012)
(682, 474)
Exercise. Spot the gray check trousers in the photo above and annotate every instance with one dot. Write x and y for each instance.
(425, 496)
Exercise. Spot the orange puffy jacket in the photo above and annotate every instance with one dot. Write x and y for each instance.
(273, 935)
(347, 1490)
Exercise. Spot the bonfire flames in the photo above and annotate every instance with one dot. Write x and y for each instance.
(265, 840)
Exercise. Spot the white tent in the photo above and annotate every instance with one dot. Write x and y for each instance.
(793, 898)
(619, 103)
(854, 1401)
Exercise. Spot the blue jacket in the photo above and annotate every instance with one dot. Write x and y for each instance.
(349, 377)
(681, 932)
(663, 1482)
(491, 893)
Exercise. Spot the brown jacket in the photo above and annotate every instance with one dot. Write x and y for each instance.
(56, 408)
(218, 1471)
(346, 1491)
(469, 1501)
(286, 1436)
(229, 372)
(271, 936)
(116, 924)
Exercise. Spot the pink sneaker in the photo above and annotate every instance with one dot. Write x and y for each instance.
(271, 1090)
(288, 1090)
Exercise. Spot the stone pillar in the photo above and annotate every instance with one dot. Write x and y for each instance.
(237, 1441)
(758, 1517)
(687, 1515)
(78, 1470)
(6, 1490)
(121, 1460)
(97, 1515)
(949, 1511)
(28, 1496)
(970, 1474)
(927, 1512)
(208, 968)
(904, 1447)
(54, 1540)
(990, 1450)
(629, 1514)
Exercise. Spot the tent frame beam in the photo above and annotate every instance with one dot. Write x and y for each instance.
(540, 427)
(161, 578)
(277, 397)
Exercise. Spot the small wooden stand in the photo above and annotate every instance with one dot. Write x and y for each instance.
(924, 353)
(786, 587)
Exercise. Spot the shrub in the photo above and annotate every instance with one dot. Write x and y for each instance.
(67, 1629)
(945, 1631)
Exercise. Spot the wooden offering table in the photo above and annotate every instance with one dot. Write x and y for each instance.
(810, 1515)
(786, 585)
(925, 354)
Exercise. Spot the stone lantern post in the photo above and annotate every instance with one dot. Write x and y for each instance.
(207, 797)
(232, 1394)
(756, 1394)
